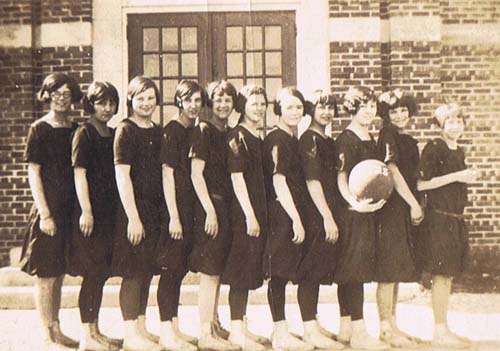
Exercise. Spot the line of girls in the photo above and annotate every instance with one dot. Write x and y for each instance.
(141, 200)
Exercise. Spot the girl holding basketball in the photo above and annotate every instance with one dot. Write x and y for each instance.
(444, 239)
(395, 248)
(286, 193)
(356, 222)
(248, 213)
(211, 231)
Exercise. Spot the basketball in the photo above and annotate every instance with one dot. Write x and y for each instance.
(371, 179)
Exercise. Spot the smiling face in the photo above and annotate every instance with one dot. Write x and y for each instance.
(255, 108)
(60, 99)
(144, 103)
(292, 110)
(323, 114)
(399, 117)
(191, 106)
(453, 127)
(222, 106)
(104, 110)
(366, 113)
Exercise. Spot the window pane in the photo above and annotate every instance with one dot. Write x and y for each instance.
(234, 64)
(238, 83)
(169, 39)
(254, 38)
(157, 83)
(254, 63)
(189, 65)
(256, 81)
(273, 37)
(234, 38)
(189, 38)
(170, 65)
(273, 63)
(272, 86)
(169, 86)
(271, 118)
(156, 116)
(151, 65)
(150, 39)
(169, 112)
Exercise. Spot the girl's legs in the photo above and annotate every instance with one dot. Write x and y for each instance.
(345, 327)
(141, 319)
(218, 328)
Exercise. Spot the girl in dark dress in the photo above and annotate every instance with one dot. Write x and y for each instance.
(177, 229)
(395, 248)
(94, 215)
(50, 175)
(356, 222)
(317, 157)
(138, 177)
(248, 213)
(211, 232)
(443, 242)
(286, 191)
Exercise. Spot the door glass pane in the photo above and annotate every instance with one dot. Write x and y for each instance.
(256, 81)
(189, 64)
(234, 64)
(150, 39)
(169, 86)
(169, 112)
(238, 83)
(273, 37)
(254, 63)
(151, 65)
(170, 39)
(271, 118)
(254, 38)
(170, 65)
(272, 86)
(234, 38)
(156, 116)
(189, 39)
(273, 63)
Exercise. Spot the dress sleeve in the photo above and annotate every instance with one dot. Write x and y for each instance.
(387, 147)
(170, 147)
(80, 148)
(345, 153)
(280, 156)
(309, 157)
(34, 151)
(429, 161)
(200, 142)
(237, 152)
(123, 146)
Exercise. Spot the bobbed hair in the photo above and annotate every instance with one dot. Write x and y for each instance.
(447, 111)
(321, 97)
(100, 91)
(219, 88)
(139, 85)
(185, 89)
(393, 99)
(356, 96)
(53, 82)
(290, 91)
(243, 95)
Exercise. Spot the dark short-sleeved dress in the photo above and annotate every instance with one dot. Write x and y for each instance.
(443, 243)
(244, 264)
(281, 156)
(357, 231)
(172, 254)
(44, 255)
(317, 155)
(209, 255)
(92, 255)
(396, 260)
(139, 148)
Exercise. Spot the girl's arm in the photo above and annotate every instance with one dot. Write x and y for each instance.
(318, 196)
(286, 200)
(82, 193)
(135, 230)
(464, 176)
(175, 226)
(363, 206)
(404, 191)
(241, 192)
(200, 187)
(47, 223)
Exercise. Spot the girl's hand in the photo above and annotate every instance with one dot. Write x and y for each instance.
(467, 176)
(416, 214)
(331, 230)
(253, 227)
(86, 224)
(48, 226)
(365, 206)
(135, 231)
(211, 224)
(299, 233)
(175, 228)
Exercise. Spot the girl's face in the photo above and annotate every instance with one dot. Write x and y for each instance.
(191, 106)
(453, 127)
(399, 117)
(222, 105)
(60, 99)
(255, 108)
(292, 110)
(323, 114)
(104, 110)
(366, 113)
(144, 103)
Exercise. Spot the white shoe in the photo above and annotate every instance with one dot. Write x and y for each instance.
(209, 340)
(257, 338)
(360, 338)
(283, 340)
(238, 337)
(395, 339)
(324, 331)
(141, 325)
(449, 339)
(90, 342)
(188, 338)
(313, 336)
(169, 339)
(345, 330)
(135, 341)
